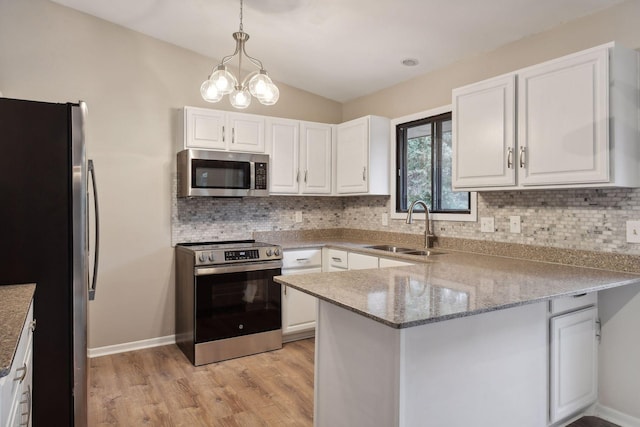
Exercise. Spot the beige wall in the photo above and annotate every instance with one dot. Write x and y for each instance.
(432, 90)
(133, 85)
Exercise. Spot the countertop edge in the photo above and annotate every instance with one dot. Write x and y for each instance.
(19, 310)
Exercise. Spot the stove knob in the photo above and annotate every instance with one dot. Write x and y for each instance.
(202, 257)
(269, 252)
(211, 258)
(276, 252)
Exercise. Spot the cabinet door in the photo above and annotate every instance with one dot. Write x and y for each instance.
(563, 113)
(315, 158)
(362, 262)
(352, 156)
(484, 134)
(247, 132)
(574, 363)
(282, 138)
(298, 308)
(204, 128)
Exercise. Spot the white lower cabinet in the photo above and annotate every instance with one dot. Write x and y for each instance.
(16, 387)
(573, 364)
(362, 262)
(298, 308)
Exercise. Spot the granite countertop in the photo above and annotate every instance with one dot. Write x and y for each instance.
(14, 308)
(454, 284)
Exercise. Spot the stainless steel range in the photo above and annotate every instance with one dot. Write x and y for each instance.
(227, 304)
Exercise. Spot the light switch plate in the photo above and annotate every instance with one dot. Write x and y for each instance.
(487, 224)
(633, 231)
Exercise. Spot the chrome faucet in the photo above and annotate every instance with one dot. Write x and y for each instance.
(428, 236)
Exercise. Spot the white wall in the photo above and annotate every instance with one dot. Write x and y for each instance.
(132, 84)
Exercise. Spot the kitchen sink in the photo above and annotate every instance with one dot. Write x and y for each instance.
(424, 253)
(405, 251)
(389, 248)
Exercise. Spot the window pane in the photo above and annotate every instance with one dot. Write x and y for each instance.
(450, 200)
(419, 164)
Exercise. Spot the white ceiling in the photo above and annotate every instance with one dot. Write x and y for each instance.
(342, 49)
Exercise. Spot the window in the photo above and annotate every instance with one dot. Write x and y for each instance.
(423, 167)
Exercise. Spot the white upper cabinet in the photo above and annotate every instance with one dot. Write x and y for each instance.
(362, 156)
(220, 130)
(577, 125)
(484, 133)
(247, 132)
(204, 128)
(283, 141)
(315, 157)
(300, 156)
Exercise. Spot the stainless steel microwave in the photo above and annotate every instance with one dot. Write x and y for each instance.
(222, 174)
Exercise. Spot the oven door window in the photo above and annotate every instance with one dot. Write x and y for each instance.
(220, 174)
(234, 304)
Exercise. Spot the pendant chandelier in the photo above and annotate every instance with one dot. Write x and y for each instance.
(222, 82)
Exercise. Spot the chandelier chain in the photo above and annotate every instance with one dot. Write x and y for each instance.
(241, 30)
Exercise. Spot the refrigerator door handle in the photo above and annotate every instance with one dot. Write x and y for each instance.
(92, 287)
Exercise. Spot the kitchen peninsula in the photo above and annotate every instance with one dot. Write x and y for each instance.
(461, 339)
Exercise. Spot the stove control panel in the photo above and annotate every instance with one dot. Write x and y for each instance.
(245, 254)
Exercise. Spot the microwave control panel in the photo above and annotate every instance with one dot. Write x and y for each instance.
(261, 176)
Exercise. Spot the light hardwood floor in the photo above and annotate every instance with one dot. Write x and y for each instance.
(160, 387)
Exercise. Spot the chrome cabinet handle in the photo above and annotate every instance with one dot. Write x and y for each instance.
(509, 158)
(285, 289)
(222, 133)
(233, 135)
(364, 173)
(305, 175)
(336, 259)
(522, 157)
(302, 259)
(22, 369)
(298, 176)
(32, 325)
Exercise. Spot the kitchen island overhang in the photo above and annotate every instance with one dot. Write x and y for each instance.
(461, 341)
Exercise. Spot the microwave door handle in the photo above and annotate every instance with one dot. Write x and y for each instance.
(252, 175)
(92, 288)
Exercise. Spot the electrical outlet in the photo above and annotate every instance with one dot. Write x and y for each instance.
(385, 219)
(514, 224)
(633, 231)
(298, 216)
(487, 224)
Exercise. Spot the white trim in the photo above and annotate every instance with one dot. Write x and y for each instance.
(473, 216)
(131, 346)
(615, 417)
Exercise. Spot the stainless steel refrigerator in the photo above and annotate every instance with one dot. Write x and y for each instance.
(44, 211)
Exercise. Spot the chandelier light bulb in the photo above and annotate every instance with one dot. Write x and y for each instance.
(258, 84)
(240, 98)
(223, 80)
(270, 95)
(210, 92)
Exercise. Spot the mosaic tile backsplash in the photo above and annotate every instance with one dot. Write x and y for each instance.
(585, 219)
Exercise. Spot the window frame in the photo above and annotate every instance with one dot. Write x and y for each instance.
(393, 178)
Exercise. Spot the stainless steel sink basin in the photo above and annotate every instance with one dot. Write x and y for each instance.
(389, 248)
(405, 251)
(424, 253)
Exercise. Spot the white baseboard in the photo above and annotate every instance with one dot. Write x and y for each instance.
(614, 416)
(131, 346)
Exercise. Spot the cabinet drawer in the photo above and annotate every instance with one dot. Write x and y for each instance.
(338, 258)
(301, 258)
(574, 302)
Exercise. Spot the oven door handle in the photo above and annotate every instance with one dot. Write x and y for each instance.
(237, 268)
